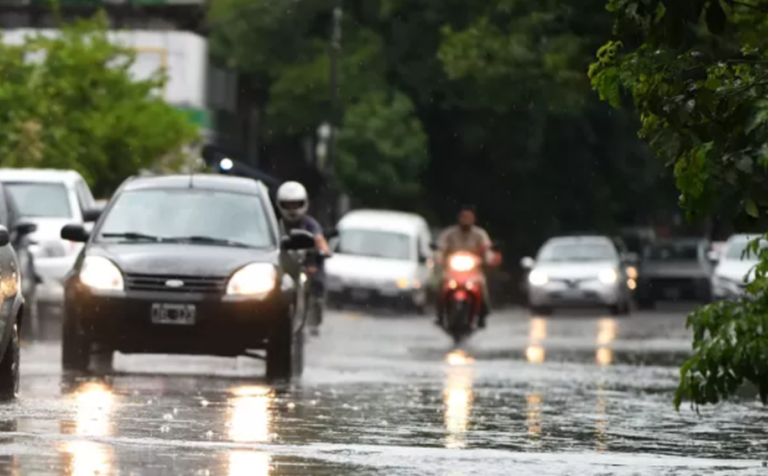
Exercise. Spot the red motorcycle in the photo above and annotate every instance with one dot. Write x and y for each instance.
(461, 295)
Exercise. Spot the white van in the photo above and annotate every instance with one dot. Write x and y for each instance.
(381, 259)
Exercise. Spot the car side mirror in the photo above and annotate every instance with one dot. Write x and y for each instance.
(24, 228)
(527, 262)
(75, 233)
(92, 215)
(298, 240)
(5, 236)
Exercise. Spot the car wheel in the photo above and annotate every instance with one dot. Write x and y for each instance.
(9, 368)
(285, 351)
(75, 347)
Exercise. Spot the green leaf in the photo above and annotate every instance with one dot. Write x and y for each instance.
(751, 208)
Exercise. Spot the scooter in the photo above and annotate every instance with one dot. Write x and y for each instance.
(461, 295)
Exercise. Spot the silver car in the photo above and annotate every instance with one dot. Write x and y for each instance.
(582, 271)
(50, 199)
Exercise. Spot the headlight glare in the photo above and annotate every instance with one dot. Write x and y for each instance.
(256, 279)
(538, 278)
(462, 263)
(608, 276)
(100, 273)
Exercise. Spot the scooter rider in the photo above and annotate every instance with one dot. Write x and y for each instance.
(466, 236)
(293, 203)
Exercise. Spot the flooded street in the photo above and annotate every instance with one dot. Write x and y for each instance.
(562, 395)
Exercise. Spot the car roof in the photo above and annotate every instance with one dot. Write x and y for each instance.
(224, 183)
(39, 175)
(580, 239)
(382, 219)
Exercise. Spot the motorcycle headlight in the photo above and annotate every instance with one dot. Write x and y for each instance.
(538, 278)
(608, 276)
(461, 263)
(256, 279)
(100, 273)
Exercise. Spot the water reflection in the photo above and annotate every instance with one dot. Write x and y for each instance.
(601, 421)
(94, 403)
(535, 353)
(606, 333)
(533, 415)
(250, 421)
(458, 398)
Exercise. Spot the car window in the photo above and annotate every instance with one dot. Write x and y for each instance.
(41, 199)
(5, 218)
(673, 252)
(84, 196)
(179, 213)
(558, 252)
(735, 251)
(374, 243)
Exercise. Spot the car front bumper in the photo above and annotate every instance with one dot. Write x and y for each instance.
(223, 325)
(555, 294)
(377, 298)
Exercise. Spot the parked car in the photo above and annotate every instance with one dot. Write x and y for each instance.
(674, 269)
(190, 264)
(578, 271)
(11, 315)
(381, 258)
(734, 269)
(50, 199)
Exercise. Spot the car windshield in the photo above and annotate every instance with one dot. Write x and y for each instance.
(378, 244)
(577, 252)
(39, 199)
(673, 252)
(736, 251)
(199, 215)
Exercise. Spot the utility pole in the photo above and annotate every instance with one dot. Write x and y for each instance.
(335, 113)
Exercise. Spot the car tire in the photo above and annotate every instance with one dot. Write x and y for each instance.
(285, 351)
(9, 368)
(75, 348)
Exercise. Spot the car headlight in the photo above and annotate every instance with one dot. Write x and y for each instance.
(100, 273)
(631, 272)
(256, 279)
(462, 263)
(403, 283)
(538, 278)
(608, 276)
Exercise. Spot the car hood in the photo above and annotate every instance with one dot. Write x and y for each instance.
(574, 270)
(365, 268)
(181, 259)
(735, 270)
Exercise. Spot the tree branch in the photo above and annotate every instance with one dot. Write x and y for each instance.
(749, 5)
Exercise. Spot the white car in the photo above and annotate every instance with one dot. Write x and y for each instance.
(381, 259)
(734, 271)
(581, 271)
(51, 199)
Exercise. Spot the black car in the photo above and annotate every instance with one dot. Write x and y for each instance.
(186, 264)
(674, 269)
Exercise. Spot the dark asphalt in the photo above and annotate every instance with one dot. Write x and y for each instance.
(565, 395)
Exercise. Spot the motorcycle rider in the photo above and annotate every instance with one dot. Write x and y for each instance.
(466, 236)
(293, 203)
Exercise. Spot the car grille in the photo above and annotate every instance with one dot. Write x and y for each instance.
(191, 284)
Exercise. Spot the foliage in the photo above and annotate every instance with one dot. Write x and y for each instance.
(69, 101)
(697, 73)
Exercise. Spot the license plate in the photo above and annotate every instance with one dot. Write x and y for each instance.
(173, 314)
(360, 294)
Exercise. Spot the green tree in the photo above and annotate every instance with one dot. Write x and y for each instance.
(70, 101)
(697, 73)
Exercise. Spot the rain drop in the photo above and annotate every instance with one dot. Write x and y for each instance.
(167, 417)
(209, 434)
(291, 405)
(204, 403)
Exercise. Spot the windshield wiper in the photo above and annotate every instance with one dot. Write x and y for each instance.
(208, 240)
(133, 236)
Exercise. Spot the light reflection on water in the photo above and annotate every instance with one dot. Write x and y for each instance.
(458, 397)
(607, 330)
(250, 420)
(535, 353)
(606, 333)
(533, 415)
(93, 419)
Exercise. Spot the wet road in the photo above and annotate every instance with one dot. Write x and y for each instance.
(565, 395)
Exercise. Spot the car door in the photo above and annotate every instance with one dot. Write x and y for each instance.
(20, 242)
(9, 279)
(425, 258)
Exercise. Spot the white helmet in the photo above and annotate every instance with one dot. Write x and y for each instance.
(292, 201)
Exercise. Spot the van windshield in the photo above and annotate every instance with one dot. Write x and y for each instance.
(376, 244)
